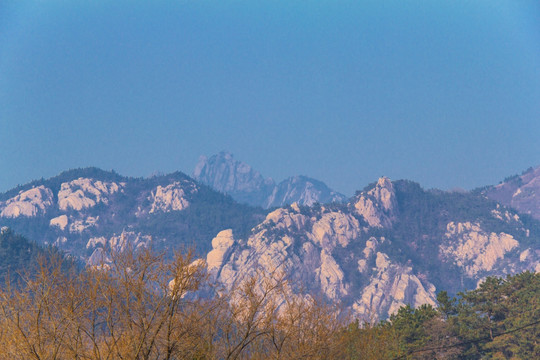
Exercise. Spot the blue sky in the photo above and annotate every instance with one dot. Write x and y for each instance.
(446, 93)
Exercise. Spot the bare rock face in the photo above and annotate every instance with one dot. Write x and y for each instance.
(378, 206)
(79, 225)
(391, 286)
(335, 228)
(119, 242)
(520, 192)
(83, 205)
(221, 247)
(473, 249)
(311, 248)
(389, 246)
(28, 203)
(95, 241)
(85, 193)
(329, 250)
(59, 221)
(172, 197)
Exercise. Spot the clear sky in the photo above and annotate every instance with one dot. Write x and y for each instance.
(446, 93)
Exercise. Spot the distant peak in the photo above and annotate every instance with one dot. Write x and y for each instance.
(225, 174)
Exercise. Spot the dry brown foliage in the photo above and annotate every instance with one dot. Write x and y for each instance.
(139, 306)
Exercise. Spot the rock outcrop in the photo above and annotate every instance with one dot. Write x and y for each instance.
(391, 286)
(302, 190)
(221, 247)
(28, 203)
(337, 250)
(392, 244)
(80, 225)
(85, 193)
(60, 222)
(173, 197)
(118, 243)
(315, 248)
(473, 249)
(78, 208)
(229, 176)
(378, 205)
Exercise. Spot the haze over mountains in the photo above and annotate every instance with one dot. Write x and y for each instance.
(391, 244)
(246, 185)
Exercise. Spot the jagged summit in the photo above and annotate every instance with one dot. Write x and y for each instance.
(378, 206)
(246, 185)
(229, 176)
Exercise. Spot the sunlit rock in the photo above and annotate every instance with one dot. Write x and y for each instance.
(28, 203)
(78, 226)
(221, 246)
(59, 221)
(378, 206)
(85, 193)
(172, 197)
(474, 249)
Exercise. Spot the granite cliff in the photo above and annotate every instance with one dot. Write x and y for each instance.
(362, 254)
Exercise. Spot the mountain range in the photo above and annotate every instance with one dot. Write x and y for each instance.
(392, 243)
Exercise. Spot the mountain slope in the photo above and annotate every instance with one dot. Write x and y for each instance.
(246, 185)
(522, 192)
(85, 209)
(392, 244)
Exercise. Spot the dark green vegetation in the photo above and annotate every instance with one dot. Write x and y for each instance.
(498, 320)
(19, 256)
(16, 253)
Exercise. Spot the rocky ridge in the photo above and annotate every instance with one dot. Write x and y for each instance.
(338, 251)
(86, 210)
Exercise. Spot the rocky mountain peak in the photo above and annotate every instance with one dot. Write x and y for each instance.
(378, 205)
(384, 193)
(398, 255)
(227, 175)
(246, 185)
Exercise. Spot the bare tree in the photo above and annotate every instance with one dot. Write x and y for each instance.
(137, 305)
